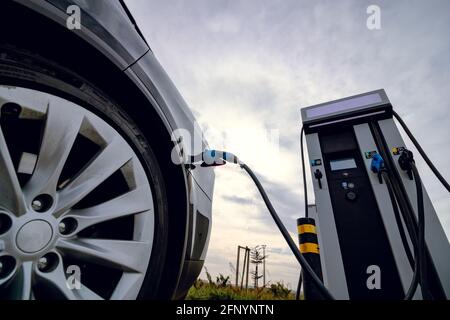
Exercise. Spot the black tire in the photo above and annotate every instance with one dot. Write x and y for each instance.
(25, 69)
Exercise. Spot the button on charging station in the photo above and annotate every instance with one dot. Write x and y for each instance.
(351, 196)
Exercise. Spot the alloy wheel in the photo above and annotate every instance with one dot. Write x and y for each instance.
(76, 206)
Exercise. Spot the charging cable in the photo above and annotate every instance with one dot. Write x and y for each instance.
(421, 151)
(377, 166)
(406, 162)
(215, 157)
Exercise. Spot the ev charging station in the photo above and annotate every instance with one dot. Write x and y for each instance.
(359, 233)
(368, 192)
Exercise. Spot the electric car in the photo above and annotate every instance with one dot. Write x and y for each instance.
(92, 203)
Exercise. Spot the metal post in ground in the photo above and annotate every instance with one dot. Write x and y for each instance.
(247, 253)
(243, 269)
(264, 266)
(237, 265)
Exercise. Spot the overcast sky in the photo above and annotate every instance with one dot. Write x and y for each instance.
(249, 66)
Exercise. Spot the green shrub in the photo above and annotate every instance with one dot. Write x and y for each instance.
(223, 290)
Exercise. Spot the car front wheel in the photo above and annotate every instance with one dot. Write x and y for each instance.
(82, 202)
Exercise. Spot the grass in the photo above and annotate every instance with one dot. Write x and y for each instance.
(221, 289)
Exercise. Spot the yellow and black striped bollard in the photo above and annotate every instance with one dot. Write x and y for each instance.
(309, 247)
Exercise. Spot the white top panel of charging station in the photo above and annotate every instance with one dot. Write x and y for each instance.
(355, 104)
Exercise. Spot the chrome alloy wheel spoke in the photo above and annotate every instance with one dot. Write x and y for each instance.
(111, 159)
(61, 129)
(11, 196)
(125, 255)
(131, 203)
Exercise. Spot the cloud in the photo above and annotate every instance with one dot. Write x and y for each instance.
(224, 23)
(238, 200)
(253, 64)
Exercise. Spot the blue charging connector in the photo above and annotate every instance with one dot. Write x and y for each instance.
(377, 166)
(377, 163)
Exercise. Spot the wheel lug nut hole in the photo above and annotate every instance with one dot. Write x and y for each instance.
(11, 109)
(48, 263)
(42, 203)
(67, 226)
(5, 223)
(7, 265)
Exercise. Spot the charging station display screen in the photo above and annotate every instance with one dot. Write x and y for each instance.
(344, 105)
(342, 164)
